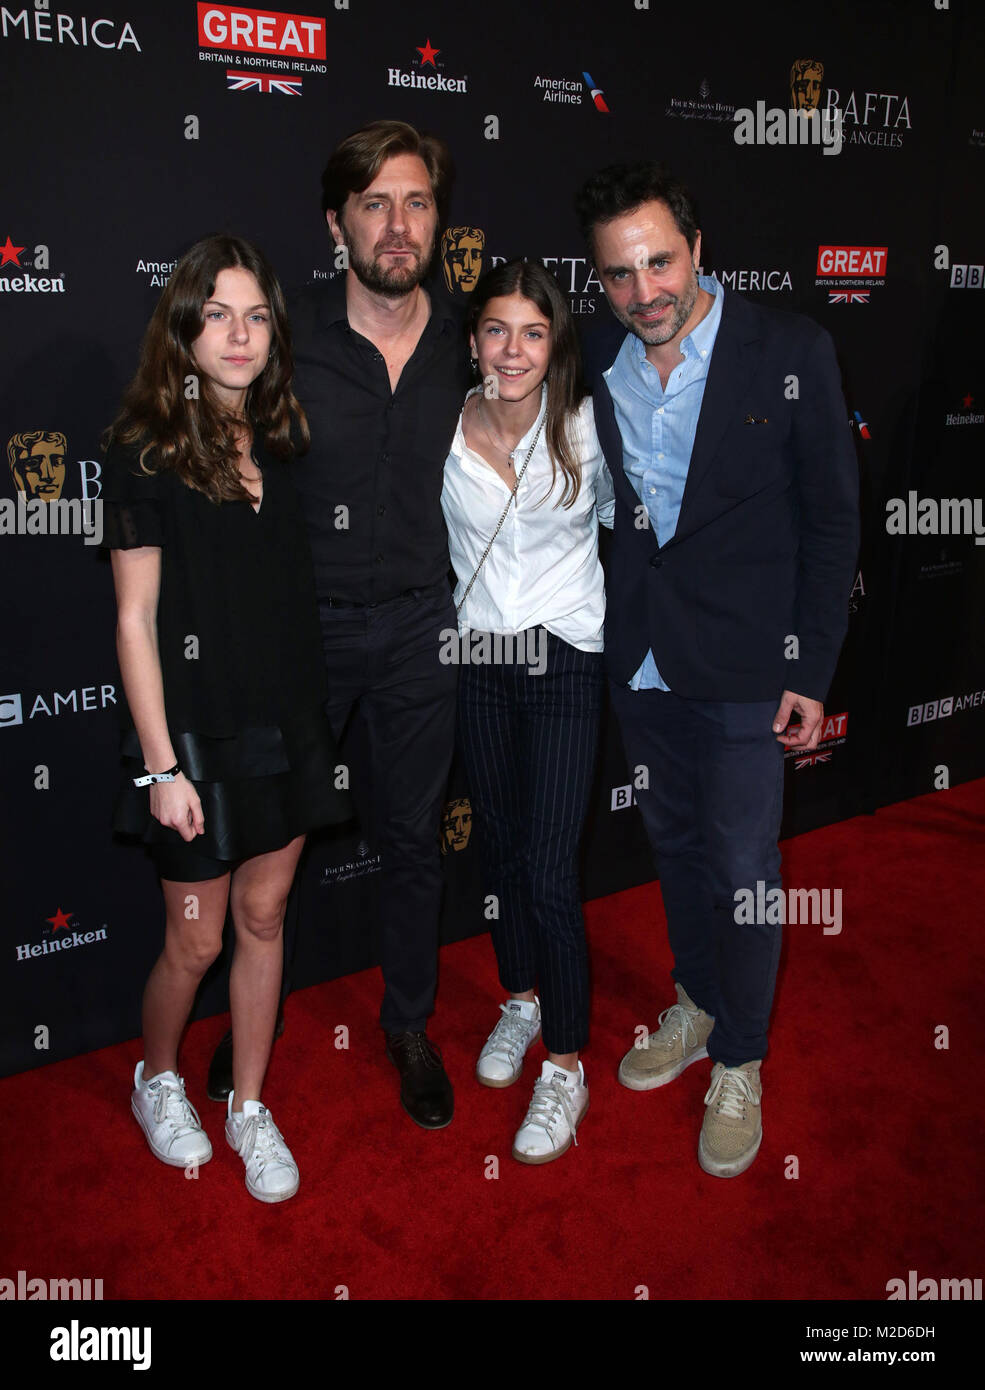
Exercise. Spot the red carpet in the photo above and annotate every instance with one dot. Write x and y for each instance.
(885, 1127)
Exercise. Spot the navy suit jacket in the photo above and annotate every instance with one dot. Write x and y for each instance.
(767, 540)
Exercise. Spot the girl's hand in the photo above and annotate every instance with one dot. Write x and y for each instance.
(176, 804)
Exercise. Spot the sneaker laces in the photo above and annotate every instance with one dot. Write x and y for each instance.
(510, 1032)
(260, 1141)
(548, 1098)
(171, 1104)
(731, 1092)
(673, 1022)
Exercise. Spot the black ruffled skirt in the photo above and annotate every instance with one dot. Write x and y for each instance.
(259, 788)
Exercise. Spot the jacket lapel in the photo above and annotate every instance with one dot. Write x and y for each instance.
(734, 363)
(611, 441)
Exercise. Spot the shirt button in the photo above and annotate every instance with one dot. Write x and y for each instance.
(652, 491)
(660, 456)
(384, 458)
(660, 410)
(380, 509)
(377, 357)
(379, 559)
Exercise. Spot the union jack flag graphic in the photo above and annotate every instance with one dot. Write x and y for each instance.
(811, 759)
(262, 82)
(848, 296)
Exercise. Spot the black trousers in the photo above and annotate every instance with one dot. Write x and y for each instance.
(384, 660)
(529, 744)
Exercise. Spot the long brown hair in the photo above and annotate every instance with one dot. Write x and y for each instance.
(197, 437)
(565, 387)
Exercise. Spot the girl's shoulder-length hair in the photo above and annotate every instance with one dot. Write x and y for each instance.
(170, 410)
(565, 385)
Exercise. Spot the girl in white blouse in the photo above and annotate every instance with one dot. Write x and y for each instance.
(524, 489)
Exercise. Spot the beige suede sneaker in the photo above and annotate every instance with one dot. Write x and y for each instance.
(732, 1130)
(679, 1041)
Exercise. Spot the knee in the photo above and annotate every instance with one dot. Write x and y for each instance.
(260, 915)
(195, 951)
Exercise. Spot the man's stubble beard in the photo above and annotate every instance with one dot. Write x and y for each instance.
(395, 282)
(660, 333)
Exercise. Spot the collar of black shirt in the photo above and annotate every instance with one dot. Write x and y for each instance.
(331, 306)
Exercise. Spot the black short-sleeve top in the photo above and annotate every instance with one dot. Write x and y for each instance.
(237, 623)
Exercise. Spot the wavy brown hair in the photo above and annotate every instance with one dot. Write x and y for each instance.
(565, 387)
(197, 438)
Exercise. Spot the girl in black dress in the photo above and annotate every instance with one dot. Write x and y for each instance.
(229, 754)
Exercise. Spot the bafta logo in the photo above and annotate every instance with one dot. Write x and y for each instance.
(806, 76)
(456, 824)
(461, 257)
(37, 463)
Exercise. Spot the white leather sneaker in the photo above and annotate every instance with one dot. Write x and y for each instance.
(169, 1120)
(271, 1173)
(501, 1059)
(558, 1107)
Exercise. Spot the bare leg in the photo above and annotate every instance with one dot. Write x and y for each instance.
(191, 944)
(258, 896)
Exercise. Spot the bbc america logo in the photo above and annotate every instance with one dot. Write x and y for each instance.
(967, 277)
(933, 709)
(940, 709)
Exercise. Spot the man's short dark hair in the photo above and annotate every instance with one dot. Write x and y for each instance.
(622, 188)
(354, 164)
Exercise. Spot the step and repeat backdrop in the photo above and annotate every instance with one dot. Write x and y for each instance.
(132, 129)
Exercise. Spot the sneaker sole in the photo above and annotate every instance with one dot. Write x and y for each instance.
(651, 1083)
(496, 1085)
(733, 1167)
(165, 1158)
(549, 1158)
(273, 1196)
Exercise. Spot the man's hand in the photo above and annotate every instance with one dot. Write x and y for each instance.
(807, 732)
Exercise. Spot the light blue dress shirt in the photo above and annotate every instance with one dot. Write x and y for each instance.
(658, 426)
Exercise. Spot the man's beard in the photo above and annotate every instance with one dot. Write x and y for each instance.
(662, 332)
(397, 280)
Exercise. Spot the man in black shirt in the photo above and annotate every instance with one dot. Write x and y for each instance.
(382, 371)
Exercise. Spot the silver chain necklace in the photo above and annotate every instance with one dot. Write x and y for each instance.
(493, 437)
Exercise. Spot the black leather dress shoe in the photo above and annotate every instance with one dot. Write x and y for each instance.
(220, 1081)
(425, 1091)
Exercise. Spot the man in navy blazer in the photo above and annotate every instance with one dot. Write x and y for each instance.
(736, 536)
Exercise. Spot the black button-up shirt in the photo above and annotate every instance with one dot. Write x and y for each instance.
(371, 482)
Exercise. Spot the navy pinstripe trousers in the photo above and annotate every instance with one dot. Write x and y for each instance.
(529, 745)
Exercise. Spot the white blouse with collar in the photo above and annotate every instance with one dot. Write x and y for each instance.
(543, 568)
